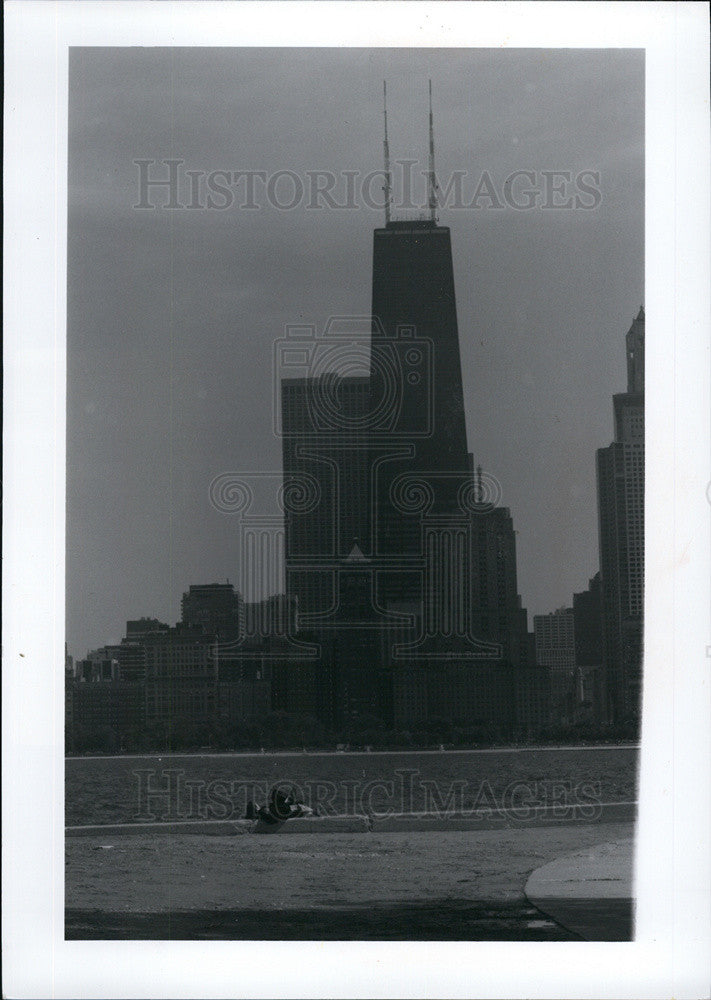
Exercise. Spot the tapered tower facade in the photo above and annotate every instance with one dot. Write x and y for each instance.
(620, 486)
(422, 572)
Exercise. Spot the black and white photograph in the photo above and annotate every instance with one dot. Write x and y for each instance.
(355, 494)
(355, 642)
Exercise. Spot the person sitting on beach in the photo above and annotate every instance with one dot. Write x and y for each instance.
(282, 805)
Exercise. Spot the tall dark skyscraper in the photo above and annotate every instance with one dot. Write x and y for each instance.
(402, 560)
(620, 484)
(431, 504)
(325, 456)
(414, 301)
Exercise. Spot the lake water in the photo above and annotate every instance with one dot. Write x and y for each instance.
(134, 789)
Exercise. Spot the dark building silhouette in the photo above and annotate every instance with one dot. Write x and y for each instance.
(402, 562)
(299, 688)
(325, 445)
(163, 684)
(534, 697)
(181, 676)
(481, 696)
(415, 336)
(276, 615)
(108, 694)
(329, 518)
(620, 485)
(587, 611)
(360, 684)
(215, 607)
(555, 652)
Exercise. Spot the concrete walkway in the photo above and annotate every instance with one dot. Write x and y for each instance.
(590, 891)
(465, 884)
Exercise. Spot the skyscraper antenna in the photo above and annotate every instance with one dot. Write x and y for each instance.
(431, 181)
(387, 187)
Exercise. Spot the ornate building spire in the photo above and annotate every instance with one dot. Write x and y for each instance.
(635, 354)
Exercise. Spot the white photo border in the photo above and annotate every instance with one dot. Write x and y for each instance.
(670, 955)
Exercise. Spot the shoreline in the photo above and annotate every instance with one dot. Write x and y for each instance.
(385, 822)
(524, 748)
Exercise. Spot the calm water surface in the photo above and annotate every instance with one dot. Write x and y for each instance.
(128, 789)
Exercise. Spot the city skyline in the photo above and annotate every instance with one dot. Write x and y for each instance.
(171, 420)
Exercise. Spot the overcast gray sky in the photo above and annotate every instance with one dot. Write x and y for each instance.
(172, 315)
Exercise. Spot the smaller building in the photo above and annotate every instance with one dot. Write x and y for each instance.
(240, 701)
(555, 649)
(217, 608)
(533, 701)
(555, 639)
(181, 677)
(69, 743)
(275, 615)
(469, 695)
(139, 627)
(587, 612)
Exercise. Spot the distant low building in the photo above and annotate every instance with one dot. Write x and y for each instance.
(469, 695)
(69, 743)
(141, 627)
(239, 701)
(275, 615)
(109, 709)
(555, 650)
(217, 608)
(181, 677)
(533, 701)
(587, 612)
(106, 708)
(165, 684)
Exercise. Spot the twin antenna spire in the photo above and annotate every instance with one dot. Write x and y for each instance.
(386, 151)
(431, 181)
